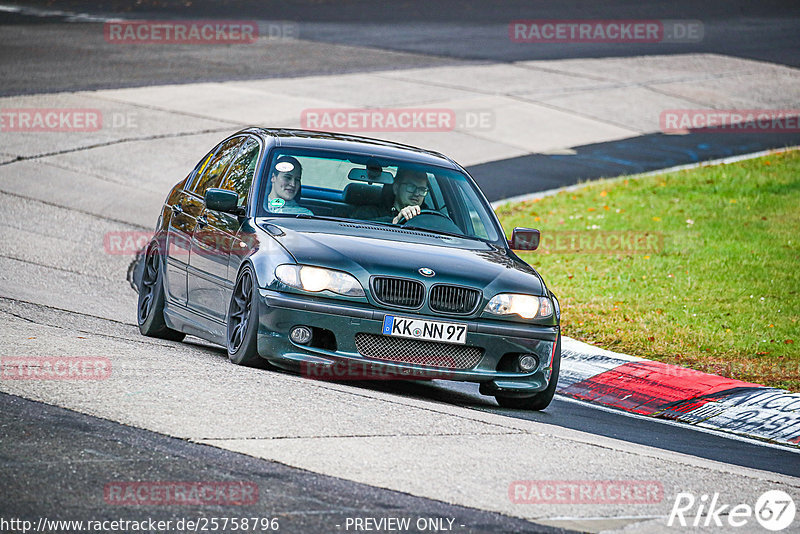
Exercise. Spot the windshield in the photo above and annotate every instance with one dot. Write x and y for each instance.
(378, 190)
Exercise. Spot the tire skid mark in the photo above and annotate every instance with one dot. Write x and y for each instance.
(112, 143)
(75, 210)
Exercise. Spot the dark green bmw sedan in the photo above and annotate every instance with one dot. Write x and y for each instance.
(344, 257)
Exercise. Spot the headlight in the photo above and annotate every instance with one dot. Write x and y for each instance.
(316, 279)
(526, 306)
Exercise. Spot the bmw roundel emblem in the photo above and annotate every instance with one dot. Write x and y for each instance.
(424, 271)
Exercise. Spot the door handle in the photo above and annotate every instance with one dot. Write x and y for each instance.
(177, 208)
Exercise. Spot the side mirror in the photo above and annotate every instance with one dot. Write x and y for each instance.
(223, 200)
(525, 239)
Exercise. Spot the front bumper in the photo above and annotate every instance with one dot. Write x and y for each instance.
(280, 312)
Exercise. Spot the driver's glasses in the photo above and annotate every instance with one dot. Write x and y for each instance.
(412, 189)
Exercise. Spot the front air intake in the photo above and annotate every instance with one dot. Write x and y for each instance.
(453, 299)
(400, 292)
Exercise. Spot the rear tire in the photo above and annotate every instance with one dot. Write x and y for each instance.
(150, 306)
(541, 400)
(242, 325)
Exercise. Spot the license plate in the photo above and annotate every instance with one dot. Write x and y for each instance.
(427, 330)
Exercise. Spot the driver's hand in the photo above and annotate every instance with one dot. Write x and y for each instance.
(407, 213)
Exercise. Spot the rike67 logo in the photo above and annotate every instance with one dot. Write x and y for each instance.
(774, 510)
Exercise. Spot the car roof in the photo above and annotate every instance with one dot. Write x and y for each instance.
(340, 142)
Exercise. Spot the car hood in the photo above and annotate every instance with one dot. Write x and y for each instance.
(366, 250)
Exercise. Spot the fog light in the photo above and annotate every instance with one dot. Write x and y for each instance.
(300, 334)
(527, 363)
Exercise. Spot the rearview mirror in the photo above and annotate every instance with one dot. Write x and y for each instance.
(525, 239)
(363, 175)
(223, 200)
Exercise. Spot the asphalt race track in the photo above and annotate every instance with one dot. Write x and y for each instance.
(321, 454)
(71, 445)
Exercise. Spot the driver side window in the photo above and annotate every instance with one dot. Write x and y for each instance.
(214, 169)
(241, 171)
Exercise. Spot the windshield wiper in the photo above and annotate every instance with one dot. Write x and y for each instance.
(440, 232)
(450, 234)
(388, 225)
(320, 217)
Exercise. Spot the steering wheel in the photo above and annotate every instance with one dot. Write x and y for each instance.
(432, 223)
(421, 213)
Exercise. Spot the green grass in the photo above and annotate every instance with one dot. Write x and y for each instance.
(720, 295)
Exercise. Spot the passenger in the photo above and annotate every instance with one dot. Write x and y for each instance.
(284, 186)
(410, 189)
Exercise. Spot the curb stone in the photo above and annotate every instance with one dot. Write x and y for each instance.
(661, 390)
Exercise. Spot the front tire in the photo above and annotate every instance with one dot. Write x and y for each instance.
(242, 330)
(150, 307)
(541, 400)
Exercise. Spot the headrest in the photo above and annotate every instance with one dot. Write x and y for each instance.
(362, 194)
(387, 195)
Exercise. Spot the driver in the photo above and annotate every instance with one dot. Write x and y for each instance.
(409, 191)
